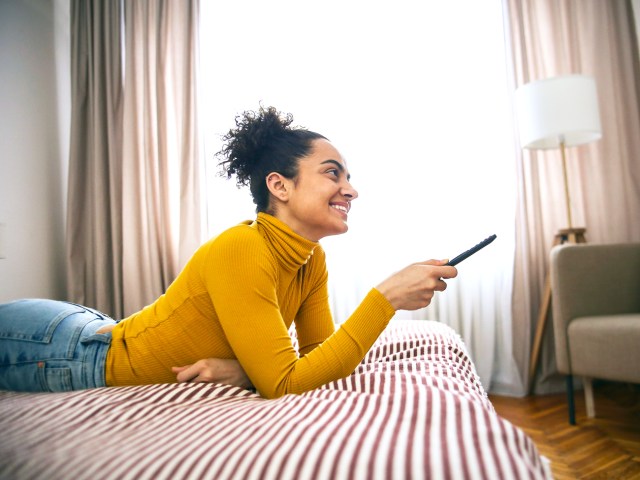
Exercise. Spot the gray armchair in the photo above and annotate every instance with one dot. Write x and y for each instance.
(596, 315)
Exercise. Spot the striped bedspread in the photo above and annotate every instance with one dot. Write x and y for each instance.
(413, 409)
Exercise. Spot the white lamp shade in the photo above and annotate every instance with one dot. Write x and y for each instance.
(556, 110)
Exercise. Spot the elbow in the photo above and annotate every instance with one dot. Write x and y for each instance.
(272, 393)
(280, 389)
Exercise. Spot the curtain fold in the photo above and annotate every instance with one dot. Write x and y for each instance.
(94, 222)
(559, 37)
(161, 173)
(134, 187)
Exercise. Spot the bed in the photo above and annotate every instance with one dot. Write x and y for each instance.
(413, 409)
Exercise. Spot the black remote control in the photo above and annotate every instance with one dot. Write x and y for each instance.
(471, 251)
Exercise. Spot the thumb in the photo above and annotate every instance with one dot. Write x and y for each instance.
(436, 263)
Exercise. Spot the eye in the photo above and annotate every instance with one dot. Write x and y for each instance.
(333, 171)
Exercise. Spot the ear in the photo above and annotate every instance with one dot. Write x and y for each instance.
(278, 186)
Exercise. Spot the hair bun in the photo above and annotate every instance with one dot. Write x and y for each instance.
(261, 143)
(252, 139)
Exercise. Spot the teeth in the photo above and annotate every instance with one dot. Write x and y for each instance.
(340, 207)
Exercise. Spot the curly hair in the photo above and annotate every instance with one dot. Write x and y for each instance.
(263, 142)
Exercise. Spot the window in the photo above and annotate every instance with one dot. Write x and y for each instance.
(414, 94)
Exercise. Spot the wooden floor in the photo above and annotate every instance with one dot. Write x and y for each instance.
(604, 447)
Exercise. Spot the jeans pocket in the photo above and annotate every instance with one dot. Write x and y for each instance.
(33, 320)
(56, 379)
(36, 377)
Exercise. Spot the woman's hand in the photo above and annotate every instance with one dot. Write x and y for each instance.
(413, 287)
(213, 370)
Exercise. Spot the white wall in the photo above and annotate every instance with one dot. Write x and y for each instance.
(34, 132)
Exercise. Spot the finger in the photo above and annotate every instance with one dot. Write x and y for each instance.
(444, 271)
(434, 262)
(187, 373)
(449, 272)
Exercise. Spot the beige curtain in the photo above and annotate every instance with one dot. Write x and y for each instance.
(161, 146)
(134, 189)
(94, 210)
(558, 37)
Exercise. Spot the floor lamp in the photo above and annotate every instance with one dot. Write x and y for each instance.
(557, 112)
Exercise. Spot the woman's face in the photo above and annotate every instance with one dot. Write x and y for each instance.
(319, 199)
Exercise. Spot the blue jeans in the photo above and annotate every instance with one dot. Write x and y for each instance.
(51, 346)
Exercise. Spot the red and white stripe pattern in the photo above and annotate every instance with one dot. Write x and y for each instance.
(413, 409)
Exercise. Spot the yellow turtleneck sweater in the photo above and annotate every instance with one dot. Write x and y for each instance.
(236, 298)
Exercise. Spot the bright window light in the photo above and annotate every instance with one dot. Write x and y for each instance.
(414, 95)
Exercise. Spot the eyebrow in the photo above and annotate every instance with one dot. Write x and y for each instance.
(338, 165)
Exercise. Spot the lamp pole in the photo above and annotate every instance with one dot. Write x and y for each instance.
(566, 182)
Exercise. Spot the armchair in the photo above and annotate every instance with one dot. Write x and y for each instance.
(596, 315)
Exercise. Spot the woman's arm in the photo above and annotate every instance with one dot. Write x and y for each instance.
(243, 286)
(244, 280)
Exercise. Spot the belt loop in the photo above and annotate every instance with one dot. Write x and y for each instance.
(97, 337)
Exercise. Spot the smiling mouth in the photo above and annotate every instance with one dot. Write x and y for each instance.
(340, 208)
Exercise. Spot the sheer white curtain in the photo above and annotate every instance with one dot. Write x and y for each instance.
(414, 94)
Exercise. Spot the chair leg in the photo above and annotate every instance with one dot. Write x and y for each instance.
(588, 397)
(570, 401)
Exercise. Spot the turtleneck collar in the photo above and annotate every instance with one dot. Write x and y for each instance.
(291, 250)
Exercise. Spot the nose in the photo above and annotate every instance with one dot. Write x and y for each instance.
(349, 192)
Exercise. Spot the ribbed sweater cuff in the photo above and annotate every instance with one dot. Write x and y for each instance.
(370, 318)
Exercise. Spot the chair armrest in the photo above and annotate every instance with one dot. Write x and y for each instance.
(590, 280)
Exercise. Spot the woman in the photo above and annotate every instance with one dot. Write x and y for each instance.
(226, 316)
